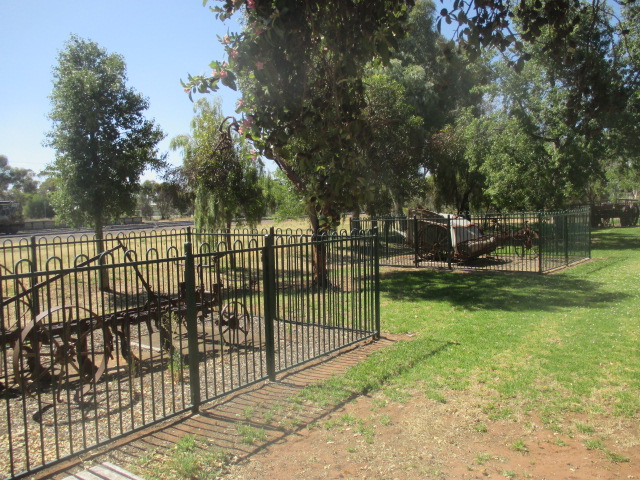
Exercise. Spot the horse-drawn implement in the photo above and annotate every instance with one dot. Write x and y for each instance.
(439, 238)
(627, 211)
(72, 344)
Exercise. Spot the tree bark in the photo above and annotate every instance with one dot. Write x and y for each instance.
(102, 273)
(232, 258)
(355, 219)
(320, 272)
(397, 206)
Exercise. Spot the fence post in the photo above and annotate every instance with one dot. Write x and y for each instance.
(376, 275)
(541, 237)
(386, 236)
(269, 277)
(35, 298)
(192, 327)
(451, 246)
(416, 241)
(588, 220)
(565, 228)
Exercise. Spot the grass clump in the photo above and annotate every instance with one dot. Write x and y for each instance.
(481, 428)
(192, 458)
(587, 429)
(249, 434)
(520, 446)
(615, 457)
(593, 444)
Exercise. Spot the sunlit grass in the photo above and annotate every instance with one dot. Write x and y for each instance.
(556, 344)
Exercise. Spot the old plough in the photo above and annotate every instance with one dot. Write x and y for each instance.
(72, 341)
(439, 237)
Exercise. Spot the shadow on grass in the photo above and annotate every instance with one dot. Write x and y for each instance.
(621, 238)
(503, 292)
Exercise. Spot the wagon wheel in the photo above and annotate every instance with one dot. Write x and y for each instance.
(433, 242)
(234, 323)
(49, 350)
(526, 243)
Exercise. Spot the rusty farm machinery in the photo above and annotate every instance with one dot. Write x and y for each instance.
(47, 348)
(627, 211)
(438, 237)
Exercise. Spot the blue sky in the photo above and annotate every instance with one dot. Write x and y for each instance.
(161, 41)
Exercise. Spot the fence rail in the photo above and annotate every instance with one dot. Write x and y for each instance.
(94, 347)
(515, 242)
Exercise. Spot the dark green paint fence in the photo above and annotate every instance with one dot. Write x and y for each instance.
(514, 242)
(178, 326)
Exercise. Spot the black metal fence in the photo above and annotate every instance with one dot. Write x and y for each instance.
(95, 347)
(517, 242)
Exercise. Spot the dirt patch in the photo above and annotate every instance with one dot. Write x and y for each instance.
(373, 437)
(389, 435)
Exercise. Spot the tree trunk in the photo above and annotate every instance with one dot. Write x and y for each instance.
(463, 208)
(320, 273)
(397, 207)
(232, 258)
(103, 273)
(355, 219)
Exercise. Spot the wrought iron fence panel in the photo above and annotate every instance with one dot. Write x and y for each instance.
(514, 242)
(38, 249)
(94, 347)
(321, 298)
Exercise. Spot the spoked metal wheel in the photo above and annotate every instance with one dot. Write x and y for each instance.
(526, 243)
(57, 348)
(234, 323)
(433, 241)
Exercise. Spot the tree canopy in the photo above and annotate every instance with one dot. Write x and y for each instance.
(15, 182)
(300, 67)
(351, 97)
(103, 142)
(553, 128)
(225, 181)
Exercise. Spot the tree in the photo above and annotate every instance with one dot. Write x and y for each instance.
(16, 183)
(623, 171)
(300, 68)
(395, 153)
(225, 181)
(146, 199)
(452, 162)
(557, 121)
(282, 200)
(102, 141)
(438, 84)
(510, 27)
(37, 206)
(171, 198)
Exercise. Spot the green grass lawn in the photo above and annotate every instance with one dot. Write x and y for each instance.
(553, 344)
(565, 347)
